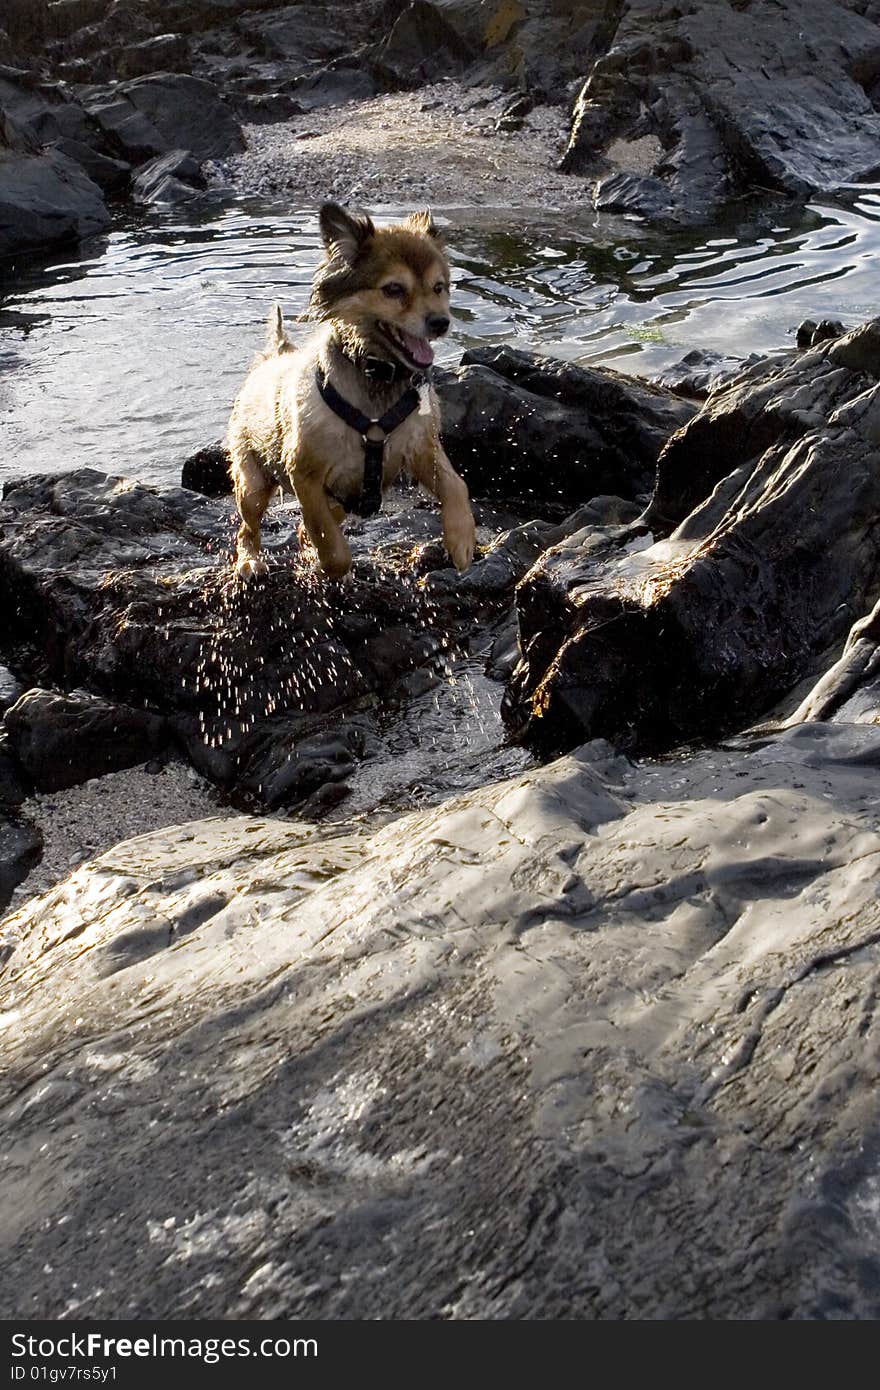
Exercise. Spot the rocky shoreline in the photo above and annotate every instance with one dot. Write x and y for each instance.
(665, 114)
(412, 1015)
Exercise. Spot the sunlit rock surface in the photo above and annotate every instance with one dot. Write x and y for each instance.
(596, 1042)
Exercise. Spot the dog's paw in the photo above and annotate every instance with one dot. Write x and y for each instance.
(337, 565)
(461, 542)
(250, 567)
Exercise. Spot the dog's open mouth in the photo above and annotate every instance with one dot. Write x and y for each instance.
(418, 351)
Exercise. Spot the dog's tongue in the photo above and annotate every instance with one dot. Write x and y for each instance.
(419, 349)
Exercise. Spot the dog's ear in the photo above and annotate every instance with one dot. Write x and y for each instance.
(423, 222)
(344, 234)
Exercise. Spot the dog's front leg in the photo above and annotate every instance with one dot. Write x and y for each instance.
(436, 473)
(322, 527)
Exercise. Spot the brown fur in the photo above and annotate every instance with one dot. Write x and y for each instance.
(379, 292)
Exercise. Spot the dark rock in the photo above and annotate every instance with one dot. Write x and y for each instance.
(21, 847)
(109, 174)
(172, 178)
(49, 112)
(154, 115)
(207, 471)
(810, 334)
(742, 97)
(535, 46)
(772, 489)
(65, 17)
(62, 740)
(514, 114)
(164, 53)
(15, 785)
(635, 193)
(44, 197)
(332, 86)
(303, 35)
(421, 46)
(518, 425)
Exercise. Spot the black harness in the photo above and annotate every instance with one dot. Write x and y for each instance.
(370, 499)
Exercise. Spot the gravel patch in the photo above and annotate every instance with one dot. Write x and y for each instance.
(438, 145)
(82, 822)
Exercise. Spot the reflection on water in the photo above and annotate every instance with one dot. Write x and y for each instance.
(127, 357)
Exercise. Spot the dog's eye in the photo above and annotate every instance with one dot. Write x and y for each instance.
(439, 288)
(394, 290)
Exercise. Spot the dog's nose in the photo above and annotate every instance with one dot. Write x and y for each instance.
(437, 325)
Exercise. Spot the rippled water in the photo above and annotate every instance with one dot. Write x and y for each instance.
(127, 356)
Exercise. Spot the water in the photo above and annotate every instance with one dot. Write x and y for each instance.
(127, 356)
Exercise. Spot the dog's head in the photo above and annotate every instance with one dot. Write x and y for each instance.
(385, 289)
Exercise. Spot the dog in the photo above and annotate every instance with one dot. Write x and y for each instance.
(338, 419)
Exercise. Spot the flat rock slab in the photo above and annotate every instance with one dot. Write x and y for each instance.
(741, 580)
(597, 1042)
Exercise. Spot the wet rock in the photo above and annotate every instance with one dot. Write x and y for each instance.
(10, 689)
(62, 740)
(154, 115)
(701, 372)
(45, 198)
(810, 334)
(172, 178)
(519, 425)
(591, 1025)
(15, 785)
(129, 593)
(755, 556)
(628, 192)
(743, 98)
(21, 846)
(207, 471)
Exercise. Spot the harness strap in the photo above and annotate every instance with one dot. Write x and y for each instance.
(374, 449)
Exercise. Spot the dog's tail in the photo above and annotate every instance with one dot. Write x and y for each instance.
(277, 340)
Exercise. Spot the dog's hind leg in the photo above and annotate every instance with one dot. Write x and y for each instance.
(436, 473)
(253, 492)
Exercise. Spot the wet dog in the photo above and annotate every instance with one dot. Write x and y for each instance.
(339, 419)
